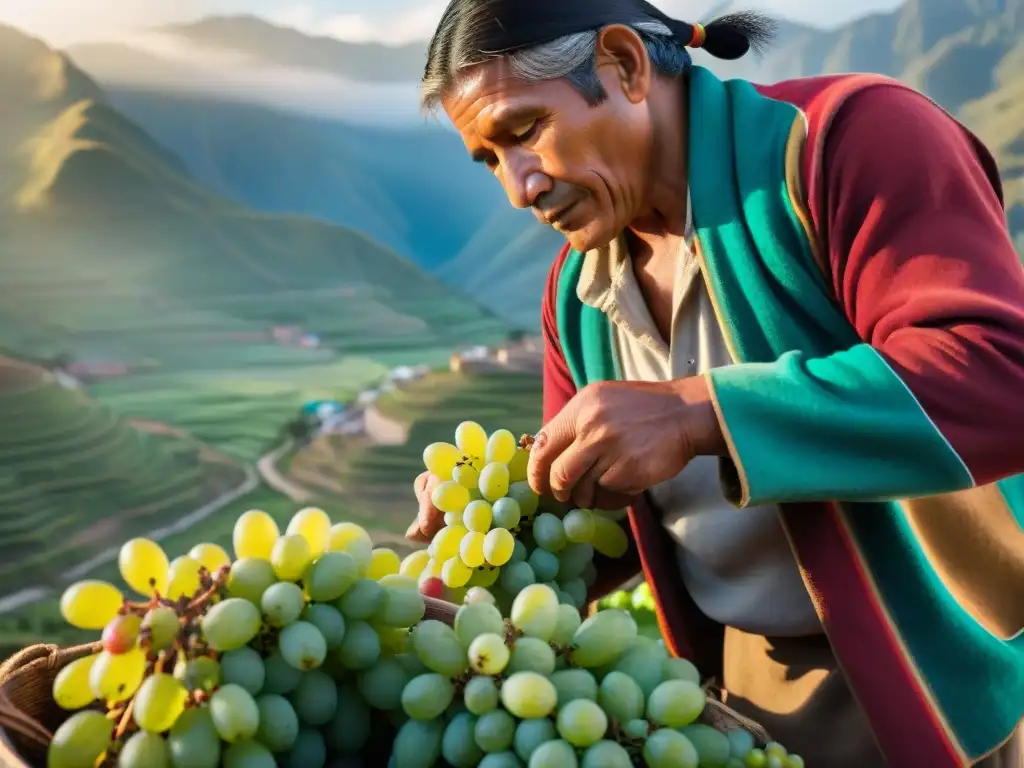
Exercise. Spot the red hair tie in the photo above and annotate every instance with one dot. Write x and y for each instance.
(698, 36)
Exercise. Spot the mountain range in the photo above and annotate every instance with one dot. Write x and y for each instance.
(409, 187)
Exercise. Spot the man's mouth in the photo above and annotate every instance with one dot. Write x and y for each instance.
(554, 218)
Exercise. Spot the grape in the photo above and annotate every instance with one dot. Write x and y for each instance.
(352, 538)
(637, 729)
(427, 696)
(530, 734)
(494, 731)
(211, 556)
(525, 496)
(528, 695)
(554, 754)
(350, 728)
(90, 604)
(756, 758)
(231, 624)
(519, 552)
(248, 754)
(479, 595)
(383, 562)
(579, 526)
(80, 740)
(244, 667)
(506, 513)
(457, 746)
(535, 612)
(144, 566)
(361, 647)
(414, 563)
(447, 542)
(400, 608)
(280, 676)
(518, 465)
(471, 439)
(440, 459)
(162, 625)
(485, 576)
(438, 647)
(488, 654)
(183, 577)
(517, 577)
(679, 669)
(254, 535)
(471, 549)
(609, 538)
(666, 748)
(793, 761)
(477, 619)
(302, 645)
(314, 526)
(576, 591)
(329, 621)
(249, 579)
(193, 741)
(531, 655)
(774, 749)
(455, 573)
(290, 557)
(234, 712)
(315, 698)
(158, 703)
(602, 638)
(573, 559)
(621, 697)
(121, 633)
(675, 703)
(544, 564)
(642, 661)
(467, 476)
(498, 546)
(362, 600)
(549, 533)
(382, 684)
(566, 624)
(480, 695)
(115, 677)
(451, 497)
(418, 744)
(199, 674)
(501, 447)
(581, 722)
(606, 754)
(144, 750)
(309, 750)
(741, 741)
(478, 516)
(712, 746)
(589, 574)
(331, 576)
(71, 685)
(493, 482)
(282, 603)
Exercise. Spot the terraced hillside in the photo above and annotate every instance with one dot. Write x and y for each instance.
(376, 479)
(75, 476)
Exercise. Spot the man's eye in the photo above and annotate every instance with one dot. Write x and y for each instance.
(526, 131)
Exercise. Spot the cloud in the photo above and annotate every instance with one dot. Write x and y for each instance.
(395, 28)
(60, 22)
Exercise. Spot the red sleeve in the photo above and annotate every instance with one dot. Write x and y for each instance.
(558, 384)
(923, 266)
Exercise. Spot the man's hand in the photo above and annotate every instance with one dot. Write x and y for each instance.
(616, 439)
(430, 519)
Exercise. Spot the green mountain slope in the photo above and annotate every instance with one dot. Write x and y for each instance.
(110, 248)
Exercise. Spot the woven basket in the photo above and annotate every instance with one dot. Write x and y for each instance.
(29, 716)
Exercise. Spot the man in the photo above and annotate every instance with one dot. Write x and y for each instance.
(811, 287)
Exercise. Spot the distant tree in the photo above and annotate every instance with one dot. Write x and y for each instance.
(516, 335)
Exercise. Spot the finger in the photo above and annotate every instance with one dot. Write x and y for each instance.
(570, 466)
(621, 480)
(610, 500)
(549, 443)
(585, 490)
(428, 517)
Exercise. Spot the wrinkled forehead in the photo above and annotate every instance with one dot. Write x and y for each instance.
(481, 92)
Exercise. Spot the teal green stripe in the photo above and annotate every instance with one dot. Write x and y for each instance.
(567, 317)
(1012, 489)
(968, 660)
(846, 420)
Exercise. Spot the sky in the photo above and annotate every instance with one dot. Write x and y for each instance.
(61, 22)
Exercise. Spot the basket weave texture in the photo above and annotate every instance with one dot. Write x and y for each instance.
(29, 716)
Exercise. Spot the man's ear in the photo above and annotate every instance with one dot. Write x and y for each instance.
(621, 47)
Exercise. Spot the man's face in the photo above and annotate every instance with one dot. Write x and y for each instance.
(581, 168)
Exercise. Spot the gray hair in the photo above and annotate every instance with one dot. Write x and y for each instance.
(573, 57)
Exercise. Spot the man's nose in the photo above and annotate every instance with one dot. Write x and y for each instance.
(524, 185)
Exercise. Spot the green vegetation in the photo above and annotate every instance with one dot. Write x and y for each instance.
(376, 480)
(75, 475)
